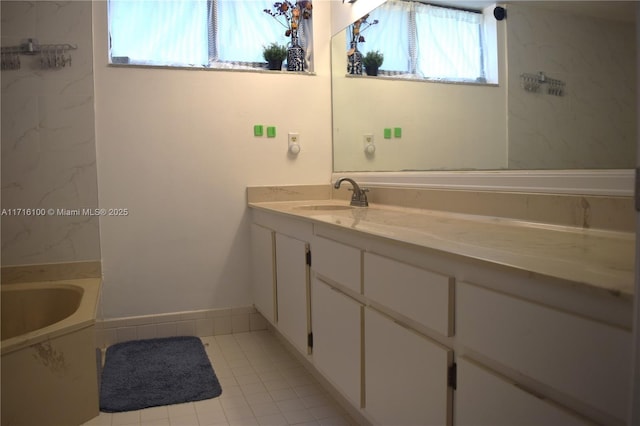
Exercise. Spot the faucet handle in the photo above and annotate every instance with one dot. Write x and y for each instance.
(361, 189)
(359, 198)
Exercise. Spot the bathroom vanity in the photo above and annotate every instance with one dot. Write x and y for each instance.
(417, 317)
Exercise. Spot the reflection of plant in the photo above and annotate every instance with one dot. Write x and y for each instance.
(359, 26)
(274, 52)
(373, 59)
(292, 13)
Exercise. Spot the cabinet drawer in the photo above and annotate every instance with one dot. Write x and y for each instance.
(338, 262)
(483, 398)
(585, 359)
(421, 295)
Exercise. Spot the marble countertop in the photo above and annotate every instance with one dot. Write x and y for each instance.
(600, 259)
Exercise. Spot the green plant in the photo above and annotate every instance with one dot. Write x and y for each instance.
(373, 59)
(274, 52)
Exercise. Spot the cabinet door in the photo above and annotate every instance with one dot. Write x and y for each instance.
(585, 359)
(292, 288)
(405, 375)
(263, 271)
(484, 398)
(337, 324)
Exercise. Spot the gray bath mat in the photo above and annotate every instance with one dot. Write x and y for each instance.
(147, 373)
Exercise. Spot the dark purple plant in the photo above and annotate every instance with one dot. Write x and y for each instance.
(359, 26)
(291, 13)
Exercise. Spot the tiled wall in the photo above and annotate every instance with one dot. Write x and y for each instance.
(202, 323)
(595, 122)
(48, 137)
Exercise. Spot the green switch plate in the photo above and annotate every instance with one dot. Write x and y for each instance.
(258, 130)
(397, 132)
(387, 133)
(271, 132)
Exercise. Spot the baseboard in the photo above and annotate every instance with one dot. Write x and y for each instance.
(201, 323)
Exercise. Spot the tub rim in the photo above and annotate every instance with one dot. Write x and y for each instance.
(84, 316)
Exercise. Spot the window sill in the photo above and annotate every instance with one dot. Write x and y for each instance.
(201, 68)
(421, 80)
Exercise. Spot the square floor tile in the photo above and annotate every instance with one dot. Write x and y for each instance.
(262, 385)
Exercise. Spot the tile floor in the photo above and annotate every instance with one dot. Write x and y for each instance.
(262, 384)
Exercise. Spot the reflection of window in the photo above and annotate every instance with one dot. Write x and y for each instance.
(200, 33)
(428, 41)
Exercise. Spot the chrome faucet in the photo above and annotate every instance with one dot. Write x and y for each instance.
(359, 197)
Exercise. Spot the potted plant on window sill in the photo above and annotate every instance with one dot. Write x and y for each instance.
(372, 61)
(274, 54)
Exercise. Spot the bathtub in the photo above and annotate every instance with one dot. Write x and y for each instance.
(49, 369)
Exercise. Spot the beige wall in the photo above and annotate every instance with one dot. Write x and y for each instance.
(176, 148)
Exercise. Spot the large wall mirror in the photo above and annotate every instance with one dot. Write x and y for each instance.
(522, 122)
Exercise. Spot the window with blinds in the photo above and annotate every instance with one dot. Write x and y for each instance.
(196, 33)
(428, 42)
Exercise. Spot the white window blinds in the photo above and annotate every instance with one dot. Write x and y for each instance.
(200, 33)
(426, 41)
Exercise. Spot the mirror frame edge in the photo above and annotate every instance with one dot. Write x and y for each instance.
(605, 182)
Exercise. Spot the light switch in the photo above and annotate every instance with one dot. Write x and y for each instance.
(258, 130)
(271, 132)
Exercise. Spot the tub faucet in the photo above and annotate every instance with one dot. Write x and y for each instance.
(359, 197)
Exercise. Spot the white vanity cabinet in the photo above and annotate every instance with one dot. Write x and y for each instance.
(395, 374)
(405, 375)
(578, 358)
(409, 335)
(484, 398)
(292, 283)
(341, 263)
(420, 295)
(280, 275)
(263, 271)
(336, 315)
(337, 336)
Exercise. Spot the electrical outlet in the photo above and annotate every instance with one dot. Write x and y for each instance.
(369, 145)
(294, 143)
(294, 137)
